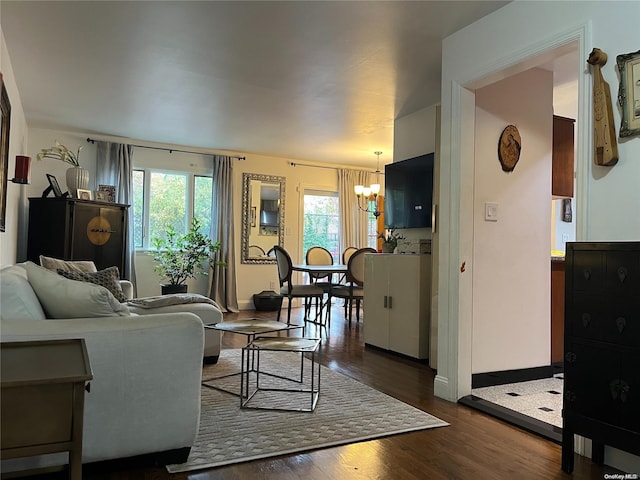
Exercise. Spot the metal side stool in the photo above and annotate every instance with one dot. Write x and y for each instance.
(298, 390)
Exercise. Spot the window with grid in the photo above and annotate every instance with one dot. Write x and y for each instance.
(321, 222)
(163, 198)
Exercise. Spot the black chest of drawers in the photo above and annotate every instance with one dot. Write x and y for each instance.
(602, 348)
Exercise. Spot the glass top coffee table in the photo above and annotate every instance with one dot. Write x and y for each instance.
(250, 327)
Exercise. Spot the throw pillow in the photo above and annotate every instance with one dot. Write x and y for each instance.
(108, 278)
(56, 264)
(64, 298)
(17, 299)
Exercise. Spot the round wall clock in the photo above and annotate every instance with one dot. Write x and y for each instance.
(99, 230)
(509, 148)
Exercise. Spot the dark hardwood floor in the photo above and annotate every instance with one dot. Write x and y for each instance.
(474, 446)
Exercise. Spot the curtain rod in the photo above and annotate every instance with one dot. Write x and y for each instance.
(295, 164)
(171, 150)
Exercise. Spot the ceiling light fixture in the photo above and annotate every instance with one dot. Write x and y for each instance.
(371, 190)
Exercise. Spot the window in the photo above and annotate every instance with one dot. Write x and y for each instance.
(372, 227)
(321, 222)
(164, 198)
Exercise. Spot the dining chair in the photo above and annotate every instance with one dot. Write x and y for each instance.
(354, 288)
(346, 254)
(320, 256)
(256, 251)
(291, 290)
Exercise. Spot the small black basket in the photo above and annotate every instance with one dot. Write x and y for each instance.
(267, 301)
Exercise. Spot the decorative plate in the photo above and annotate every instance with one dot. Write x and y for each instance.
(509, 148)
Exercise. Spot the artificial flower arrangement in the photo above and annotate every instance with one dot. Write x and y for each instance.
(62, 153)
(390, 237)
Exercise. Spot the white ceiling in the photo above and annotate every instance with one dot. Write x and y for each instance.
(320, 81)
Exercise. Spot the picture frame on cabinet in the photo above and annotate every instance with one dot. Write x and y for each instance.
(101, 196)
(53, 186)
(5, 106)
(629, 93)
(83, 194)
(111, 192)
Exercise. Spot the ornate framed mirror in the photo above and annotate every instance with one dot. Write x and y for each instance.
(262, 216)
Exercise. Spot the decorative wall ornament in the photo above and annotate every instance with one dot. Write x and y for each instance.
(509, 148)
(629, 93)
(605, 146)
(567, 214)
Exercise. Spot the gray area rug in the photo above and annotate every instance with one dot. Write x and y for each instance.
(347, 412)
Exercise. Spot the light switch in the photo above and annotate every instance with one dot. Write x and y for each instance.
(490, 212)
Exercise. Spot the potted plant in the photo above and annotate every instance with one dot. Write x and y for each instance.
(389, 240)
(77, 177)
(180, 257)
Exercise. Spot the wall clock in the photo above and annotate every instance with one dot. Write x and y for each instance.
(509, 147)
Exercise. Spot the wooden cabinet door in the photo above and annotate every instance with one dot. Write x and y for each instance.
(98, 234)
(562, 157)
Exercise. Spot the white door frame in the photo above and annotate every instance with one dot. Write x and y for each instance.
(455, 268)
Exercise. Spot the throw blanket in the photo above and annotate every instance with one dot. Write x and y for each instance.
(173, 299)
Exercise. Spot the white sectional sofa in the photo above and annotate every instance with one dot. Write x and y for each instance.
(145, 392)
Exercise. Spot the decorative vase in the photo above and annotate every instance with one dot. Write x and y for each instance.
(388, 247)
(169, 288)
(77, 177)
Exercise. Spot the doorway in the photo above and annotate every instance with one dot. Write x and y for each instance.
(511, 307)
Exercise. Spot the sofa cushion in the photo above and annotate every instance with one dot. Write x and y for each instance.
(109, 278)
(64, 298)
(56, 264)
(18, 300)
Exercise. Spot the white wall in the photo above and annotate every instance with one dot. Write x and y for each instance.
(254, 278)
(414, 134)
(511, 281)
(608, 198)
(17, 146)
(251, 278)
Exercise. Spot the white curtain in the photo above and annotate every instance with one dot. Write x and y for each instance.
(353, 221)
(222, 280)
(114, 167)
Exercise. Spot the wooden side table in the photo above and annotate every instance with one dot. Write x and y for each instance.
(43, 384)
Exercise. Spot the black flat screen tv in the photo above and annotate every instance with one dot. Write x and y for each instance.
(408, 192)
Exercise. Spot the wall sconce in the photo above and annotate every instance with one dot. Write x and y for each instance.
(366, 192)
(23, 165)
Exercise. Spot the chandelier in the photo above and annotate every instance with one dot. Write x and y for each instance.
(371, 190)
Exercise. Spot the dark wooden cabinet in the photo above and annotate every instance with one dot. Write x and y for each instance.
(73, 229)
(557, 310)
(562, 157)
(602, 348)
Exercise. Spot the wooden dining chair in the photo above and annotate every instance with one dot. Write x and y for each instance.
(291, 290)
(320, 256)
(256, 251)
(354, 288)
(346, 255)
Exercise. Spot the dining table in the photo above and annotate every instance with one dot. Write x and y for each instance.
(339, 268)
